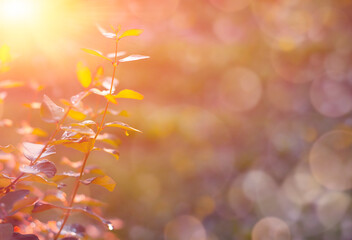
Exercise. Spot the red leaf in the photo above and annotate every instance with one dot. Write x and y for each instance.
(43, 166)
(7, 201)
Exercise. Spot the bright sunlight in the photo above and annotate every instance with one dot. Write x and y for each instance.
(15, 11)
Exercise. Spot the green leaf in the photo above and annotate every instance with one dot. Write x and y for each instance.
(131, 32)
(84, 75)
(127, 93)
(121, 125)
(96, 53)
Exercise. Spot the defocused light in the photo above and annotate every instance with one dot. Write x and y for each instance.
(18, 10)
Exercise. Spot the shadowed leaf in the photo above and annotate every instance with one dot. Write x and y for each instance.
(133, 58)
(7, 201)
(43, 166)
(32, 151)
(51, 112)
(41, 206)
(19, 236)
(6, 231)
(127, 93)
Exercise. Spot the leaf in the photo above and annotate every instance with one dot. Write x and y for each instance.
(127, 93)
(131, 32)
(33, 151)
(83, 74)
(110, 139)
(96, 53)
(44, 166)
(5, 54)
(121, 125)
(24, 203)
(76, 115)
(118, 54)
(64, 175)
(4, 180)
(7, 201)
(74, 229)
(104, 181)
(111, 98)
(83, 199)
(133, 58)
(106, 33)
(41, 206)
(50, 111)
(19, 236)
(10, 84)
(37, 179)
(76, 99)
(112, 152)
(6, 230)
(81, 129)
(8, 148)
(83, 144)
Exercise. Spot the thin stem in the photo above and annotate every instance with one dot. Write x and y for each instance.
(86, 155)
(58, 127)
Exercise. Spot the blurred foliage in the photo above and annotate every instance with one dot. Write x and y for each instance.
(244, 103)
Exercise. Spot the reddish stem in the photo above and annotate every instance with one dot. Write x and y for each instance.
(86, 155)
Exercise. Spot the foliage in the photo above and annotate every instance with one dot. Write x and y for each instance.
(33, 182)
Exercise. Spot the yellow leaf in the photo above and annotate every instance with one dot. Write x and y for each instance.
(131, 32)
(10, 84)
(111, 98)
(96, 53)
(84, 75)
(38, 179)
(121, 125)
(104, 181)
(127, 93)
(8, 148)
(39, 132)
(5, 54)
(74, 114)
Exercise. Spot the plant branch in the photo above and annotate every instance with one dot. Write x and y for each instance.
(58, 127)
(85, 158)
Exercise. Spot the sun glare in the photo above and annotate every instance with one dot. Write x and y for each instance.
(19, 10)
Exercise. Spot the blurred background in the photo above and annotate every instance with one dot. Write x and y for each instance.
(246, 119)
